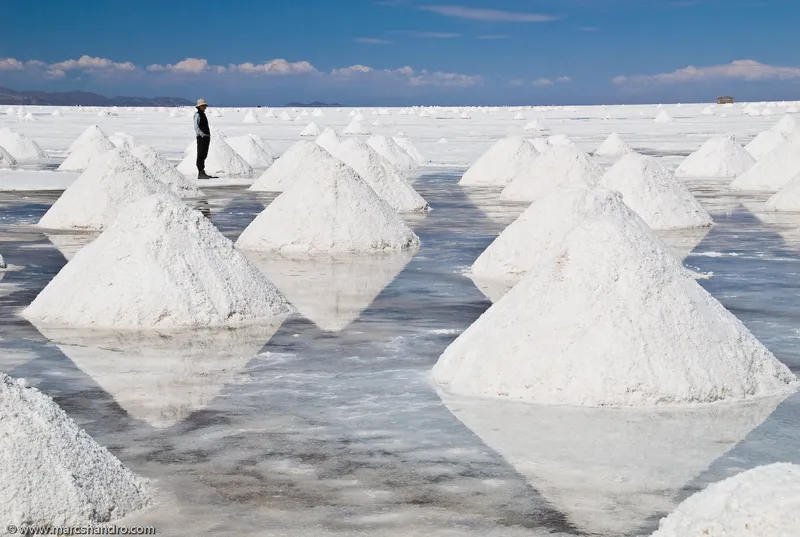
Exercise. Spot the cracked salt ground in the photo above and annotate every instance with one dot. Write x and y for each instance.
(340, 432)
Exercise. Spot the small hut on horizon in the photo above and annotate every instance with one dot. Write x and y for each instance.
(725, 100)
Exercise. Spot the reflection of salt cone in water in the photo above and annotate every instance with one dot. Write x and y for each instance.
(70, 244)
(609, 470)
(682, 242)
(331, 291)
(162, 377)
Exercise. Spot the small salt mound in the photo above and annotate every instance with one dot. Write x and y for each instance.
(29, 117)
(773, 171)
(654, 194)
(187, 274)
(465, 116)
(40, 444)
(533, 126)
(442, 141)
(56, 113)
(284, 171)
(6, 159)
(663, 117)
(10, 111)
(501, 163)
(561, 165)
(355, 127)
(787, 199)
(764, 143)
(519, 117)
(376, 123)
(787, 126)
(761, 502)
(613, 146)
(265, 146)
(250, 117)
(249, 148)
(318, 113)
(328, 208)
(393, 152)
(87, 148)
(707, 111)
(540, 144)
(329, 140)
(720, 156)
(387, 181)
(358, 116)
(312, 129)
(164, 171)
(285, 116)
(103, 113)
(410, 148)
(173, 112)
(111, 183)
(611, 318)
(222, 160)
(270, 114)
(20, 146)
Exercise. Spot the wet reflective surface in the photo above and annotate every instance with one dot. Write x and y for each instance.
(328, 425)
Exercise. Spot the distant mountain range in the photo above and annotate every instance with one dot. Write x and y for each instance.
(82, 98)
(315, 104)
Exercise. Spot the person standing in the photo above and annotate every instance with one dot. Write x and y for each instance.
(203, 134)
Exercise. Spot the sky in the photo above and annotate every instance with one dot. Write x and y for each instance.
(406, 52)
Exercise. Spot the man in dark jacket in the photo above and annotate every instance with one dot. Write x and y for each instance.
(203, 133)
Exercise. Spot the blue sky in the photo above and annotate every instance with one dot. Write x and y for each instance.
(399, 52)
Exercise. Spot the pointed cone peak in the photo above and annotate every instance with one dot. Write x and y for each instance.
(765, 142)
(251, 149)
(189, 274)
(328, 208)
(611, 319)
(356, 127)
(787, 126)
(285, 116)
(261, 143)
(91, 135)
(20, 146)
(561, 165)
(250, 117)
(285, 170)
(393, 152)
(164, 171)
(663, 117)
(613, 146)
(501, 163)
(410, 148)
(312, 129)
(329, 140)
(772, 171)
(88, 147)
(707, 111)
(720, 156)
(6, 159)
(222, 160)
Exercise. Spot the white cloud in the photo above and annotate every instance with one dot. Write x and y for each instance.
(543, 82)
(409, 76)
(10, 64)
(352, 70)
(464, 12)
(192, 66)
(563, 79)
(435, 35)
(516, 82)
(84, 63)
(739, 69)
(196, 66)
(493, 36)
(372, 41)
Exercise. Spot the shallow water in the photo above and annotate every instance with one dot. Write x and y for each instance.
(330, 426)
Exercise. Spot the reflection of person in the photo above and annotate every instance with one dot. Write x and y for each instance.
(203, 133)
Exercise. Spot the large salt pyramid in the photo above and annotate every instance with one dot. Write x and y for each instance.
(250, 117)
(356, 127)
(773, 171)
(663, 117)
(787, 126)
(561, 165)
(6, 159)
(329, 140)
(762, 502)
(329, 209)
(312, 129)
(40, 444)
(89, 146)
(765, 142)
(251, 149)
(533, 126)
(720, 156)
(501, 163)
(20, 146)
(160, 167)
(284, 171)
(411, 149)
(111, 183)
(265, 146)
(222, 159)
(613, 146)
(387, 181)
(187, 274)
(786, 199)
(654, 194)
(389, 149)
(611, 319)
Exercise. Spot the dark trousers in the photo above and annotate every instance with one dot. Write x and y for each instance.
(202, 152)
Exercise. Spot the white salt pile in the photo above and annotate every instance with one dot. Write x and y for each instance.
(707, 111)
(222, 160)
(663, 117)
(720, 156)
(464, 115)
(285, 116)
(654, 194)
(270, 114)
(765, 142)
(285, 170)
(387, 181)
(318, 113)
(773, 171)
(188, 274)
(328, 208)
(111, 183)
(501, 163)
(3, 263)
(329, 140)
(519, 117)
(540, 144)
(56, 113)
(561, 165)
(410, 148)
(611, 318)
(442, 141)
(355, 127)
(251, 149)
(164, 171)
(561, 139)
(786, 199)
(29, 117)
(787, 126)
(265, 146)
(613, 146)
(377, 123)
(389, 149)
(533, 126)
(250, 117)
(89, 146)
(53, 473)
(6, 159)
(312, 129)
(761, 502)
(103, 113)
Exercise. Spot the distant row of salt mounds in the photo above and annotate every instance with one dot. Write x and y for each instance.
(222, 159)
(19, 146)
(188, 274)
(720, 156)
(53, 473)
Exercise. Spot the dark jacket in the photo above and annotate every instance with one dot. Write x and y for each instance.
(201, 123)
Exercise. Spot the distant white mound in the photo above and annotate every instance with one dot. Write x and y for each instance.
(285, 116)
(6, 159)
(103, 113)
(56, 113)
(188, 274)
(611, 318)
(663, 117)
(653, 193)
(329, 140)
(764, 143)
(285, 170)
(561, 165)
(356, 127)
(786, 199)
(89, 146)
(773, 171)
(29, 117)
(720, 156)
(173, 112)
(464, 115)
(251, 149)
(387, 181)
(328, 208)
(613, 146)
(40, 443)
(707, 111)
(109, 184)
(519, 117)
(270, 114)
(561, 139)
(533, 126)
(318, 113)
(410, 148)
(501, 163)
(269, 150)
(787, 126)
(312, 129)
(761, 502)
(389, 149)
(222, 159)
(251, 117)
